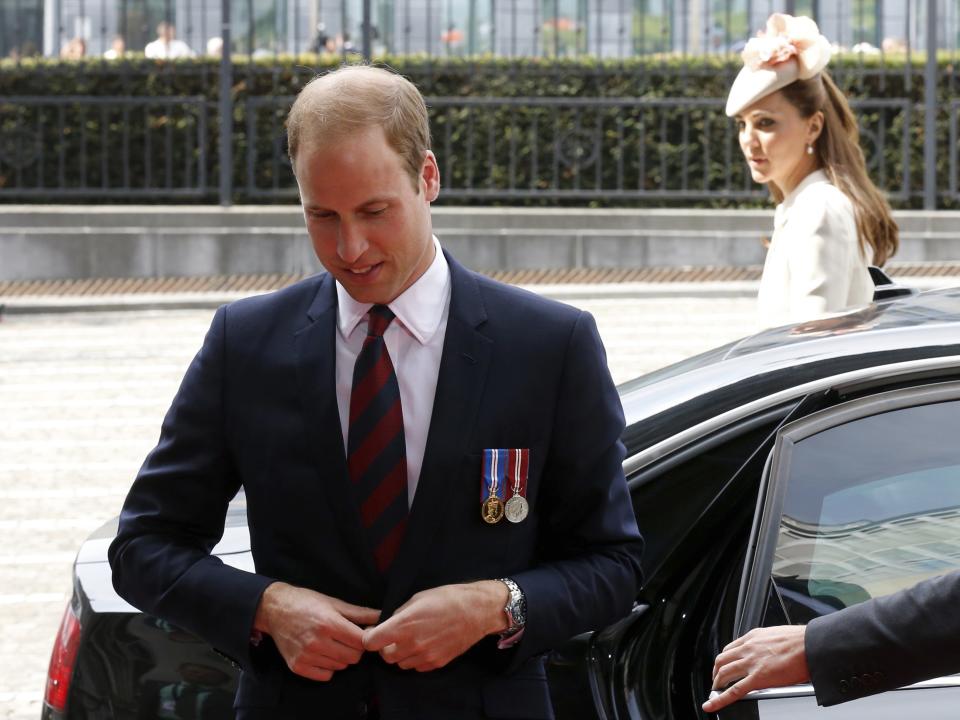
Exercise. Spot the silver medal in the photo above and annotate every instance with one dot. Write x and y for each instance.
(516, 509)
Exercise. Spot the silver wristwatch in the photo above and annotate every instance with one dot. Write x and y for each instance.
(516, 608)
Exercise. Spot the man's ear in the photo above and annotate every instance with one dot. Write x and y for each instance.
(430, 177)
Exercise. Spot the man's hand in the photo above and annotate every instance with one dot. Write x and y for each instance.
(316, 634)
(763, 658)
(437, 625)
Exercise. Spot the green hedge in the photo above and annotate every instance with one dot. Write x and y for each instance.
(673, 152)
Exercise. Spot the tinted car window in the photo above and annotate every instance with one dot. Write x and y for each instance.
(671, 497)
(871, 506)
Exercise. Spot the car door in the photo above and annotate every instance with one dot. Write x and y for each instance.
(859, 500)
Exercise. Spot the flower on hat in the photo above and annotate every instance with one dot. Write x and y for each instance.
(787, 37)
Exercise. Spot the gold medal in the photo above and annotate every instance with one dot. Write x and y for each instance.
(492, 510)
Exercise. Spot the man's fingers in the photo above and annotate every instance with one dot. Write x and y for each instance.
(722, 664)
(728, 696)
(727, 655)
(394, 655)
(377, 638)
(420, 663)
(336, 651)
(318, 662)
(357, 614)
(312, 672)
(734, 672)
(344, 631)
(412, 658)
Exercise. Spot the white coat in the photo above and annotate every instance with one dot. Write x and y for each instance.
(814, 265)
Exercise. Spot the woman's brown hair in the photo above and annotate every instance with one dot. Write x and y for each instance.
(840, 156)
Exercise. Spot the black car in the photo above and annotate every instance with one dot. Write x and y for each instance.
(784, 476)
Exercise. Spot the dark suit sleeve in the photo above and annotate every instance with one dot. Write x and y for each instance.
(174, 515)
(589, 540)
(887, 642)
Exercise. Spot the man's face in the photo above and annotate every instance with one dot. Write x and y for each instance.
(370, 229)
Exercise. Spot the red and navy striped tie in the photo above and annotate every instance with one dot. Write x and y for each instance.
(376, 448)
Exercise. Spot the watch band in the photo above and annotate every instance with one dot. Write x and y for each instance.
(515, 609)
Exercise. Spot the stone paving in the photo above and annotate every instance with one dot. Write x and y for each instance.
(81, 400)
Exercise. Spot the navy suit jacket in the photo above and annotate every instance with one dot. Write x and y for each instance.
(257, 409)
(887, 642)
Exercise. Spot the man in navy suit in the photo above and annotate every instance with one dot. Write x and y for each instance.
(431, 460)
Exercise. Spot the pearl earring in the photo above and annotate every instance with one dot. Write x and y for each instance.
(809, 149)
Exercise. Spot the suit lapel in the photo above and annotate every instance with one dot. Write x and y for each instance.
(316, 375)
(464, 363)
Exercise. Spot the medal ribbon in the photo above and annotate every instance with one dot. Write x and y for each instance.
(519, 462)
(494, 473)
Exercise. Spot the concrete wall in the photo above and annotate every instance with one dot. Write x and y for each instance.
(52, 242)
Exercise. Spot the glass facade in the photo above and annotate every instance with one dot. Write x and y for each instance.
(21, 28)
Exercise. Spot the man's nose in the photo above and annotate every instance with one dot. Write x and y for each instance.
(351, 242)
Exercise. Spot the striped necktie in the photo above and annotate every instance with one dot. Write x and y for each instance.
(376, 448)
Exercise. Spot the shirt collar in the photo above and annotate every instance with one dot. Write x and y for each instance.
(780, 213)
(420, 308)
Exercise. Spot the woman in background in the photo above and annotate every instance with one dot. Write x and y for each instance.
(801, 139)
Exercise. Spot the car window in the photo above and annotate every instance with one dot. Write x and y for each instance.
(870, 506)
(689, 481)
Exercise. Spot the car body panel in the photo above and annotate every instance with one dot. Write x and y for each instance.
(933, 700)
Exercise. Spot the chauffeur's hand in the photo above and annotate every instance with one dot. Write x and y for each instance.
(316, 634)
(437, 625)
(763, 658)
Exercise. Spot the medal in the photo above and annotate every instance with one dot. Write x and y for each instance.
(492, 510)
(517, 508)
(492, 485)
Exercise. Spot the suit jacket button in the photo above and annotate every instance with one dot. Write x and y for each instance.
(844, 688)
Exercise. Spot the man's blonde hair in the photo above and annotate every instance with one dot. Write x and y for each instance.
(355, 97)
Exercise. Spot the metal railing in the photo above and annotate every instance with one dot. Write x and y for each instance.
(561, 149)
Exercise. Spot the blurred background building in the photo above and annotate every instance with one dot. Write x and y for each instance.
(545, 28)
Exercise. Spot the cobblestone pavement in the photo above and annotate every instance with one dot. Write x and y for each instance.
(81, 400)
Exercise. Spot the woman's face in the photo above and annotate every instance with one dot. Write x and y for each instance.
(774, 140)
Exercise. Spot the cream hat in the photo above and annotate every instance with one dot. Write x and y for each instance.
(791, 48)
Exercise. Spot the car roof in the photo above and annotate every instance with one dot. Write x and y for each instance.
(666, 401)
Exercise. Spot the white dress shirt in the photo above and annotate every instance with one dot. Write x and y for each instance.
(814, 264)
(162, 50)
(415, 342)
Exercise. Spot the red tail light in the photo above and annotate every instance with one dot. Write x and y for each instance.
(62, 659)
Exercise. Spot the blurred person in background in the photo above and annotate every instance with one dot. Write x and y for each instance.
(215, 47)
(323, 42)
(118, 48)
(800, 138)
(166, 46)
(74, 49)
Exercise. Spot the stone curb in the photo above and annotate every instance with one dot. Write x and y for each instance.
(39, 305)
